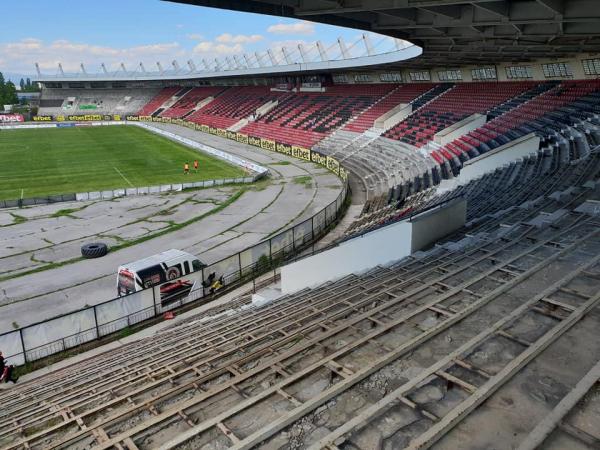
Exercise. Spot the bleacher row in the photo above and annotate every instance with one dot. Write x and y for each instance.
(403, 159)
(239, 373)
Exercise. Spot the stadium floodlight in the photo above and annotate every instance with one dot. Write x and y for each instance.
(259, 59)
(37, 69)
(123, 68)
(274, 61)
(160, 69)
(218, 65)
(286, 55)
(142, 68)
(206, 66)
(82, 69)
(368, 45)
(302, 51)
(103, 67)
(191, 65)
(343, 48)
(175, 65)
(229, 63)
(247, 59)
(322, 51)
(60, 69)
(238, 62)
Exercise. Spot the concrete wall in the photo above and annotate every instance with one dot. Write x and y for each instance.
(362, 253)
(490, 161)
(433, 225)
(393, 116)
(378, 247)
(459, 129)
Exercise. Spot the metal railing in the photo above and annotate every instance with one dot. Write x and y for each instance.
(68, 331)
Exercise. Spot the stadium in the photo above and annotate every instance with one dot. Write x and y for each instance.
(387, 243)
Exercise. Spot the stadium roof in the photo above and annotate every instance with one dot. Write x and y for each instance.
(453, 31)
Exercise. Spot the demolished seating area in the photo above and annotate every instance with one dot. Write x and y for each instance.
(454, 105)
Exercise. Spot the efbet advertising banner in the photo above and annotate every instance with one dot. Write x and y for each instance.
(11, 118)
(254, 141)
(240, 137)
(333, 165)
(318, 159)
(42, 118)
(221, 132)
(232, 135)
(284, 148)
(267, 144)
(301, 153)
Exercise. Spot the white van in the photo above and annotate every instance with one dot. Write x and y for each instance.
(158, 269)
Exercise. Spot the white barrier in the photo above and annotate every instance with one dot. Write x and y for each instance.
(205, 148)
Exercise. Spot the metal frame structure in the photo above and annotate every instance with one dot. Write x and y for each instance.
(456, 31)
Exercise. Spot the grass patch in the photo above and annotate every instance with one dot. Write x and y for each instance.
(18, 219)
(305, 180)
(172, 227)
(85, 159)
(67, 212)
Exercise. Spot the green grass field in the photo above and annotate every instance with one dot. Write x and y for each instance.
(47, 161)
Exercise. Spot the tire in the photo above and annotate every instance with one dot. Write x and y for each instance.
(94, 250)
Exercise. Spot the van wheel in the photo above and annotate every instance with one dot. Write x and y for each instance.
(94, 250)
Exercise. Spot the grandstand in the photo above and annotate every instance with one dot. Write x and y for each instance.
(481, 335)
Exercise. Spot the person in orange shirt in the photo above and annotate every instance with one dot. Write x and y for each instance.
(196, 165)
(186, 169)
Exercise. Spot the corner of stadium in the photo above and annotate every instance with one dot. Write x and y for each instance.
(366, 245)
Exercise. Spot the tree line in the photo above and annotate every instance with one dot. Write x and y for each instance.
(8, 92)
(28, 86)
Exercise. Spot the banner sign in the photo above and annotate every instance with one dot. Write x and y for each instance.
(254, 141)
(42, 118)
(267, 144)
(301, 153)
(241, 138)
(11, 118)
(333, 165)
(212, 130)
(319, 159)
(221, 132)
(232, 135)
(284, 148)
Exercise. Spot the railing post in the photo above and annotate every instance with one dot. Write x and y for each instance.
(154, 301)
(23, 345)
(240, 263)
(96, 322)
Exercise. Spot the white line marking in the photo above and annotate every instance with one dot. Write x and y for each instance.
(123, 176)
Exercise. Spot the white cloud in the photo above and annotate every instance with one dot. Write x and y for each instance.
(227, 38)
(300, 27)
(20, 56)
(195, 36)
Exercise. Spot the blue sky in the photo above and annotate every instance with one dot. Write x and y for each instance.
(130, 31)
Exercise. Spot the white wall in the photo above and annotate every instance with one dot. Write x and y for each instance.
(362, 253)
(459, 129)
(505, 154)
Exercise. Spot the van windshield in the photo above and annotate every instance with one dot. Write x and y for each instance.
(126, 283)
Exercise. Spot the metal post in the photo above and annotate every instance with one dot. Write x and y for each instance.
(96, 322)
(154, 301)
(240, 263)
(293, 239)
(23, 345)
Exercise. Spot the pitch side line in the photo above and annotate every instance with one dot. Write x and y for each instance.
(123, 176)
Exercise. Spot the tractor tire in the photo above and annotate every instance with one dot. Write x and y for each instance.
(94, 250)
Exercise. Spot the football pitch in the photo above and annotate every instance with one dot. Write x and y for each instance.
(46, 161)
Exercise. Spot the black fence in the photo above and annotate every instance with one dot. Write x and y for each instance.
(73, 329)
